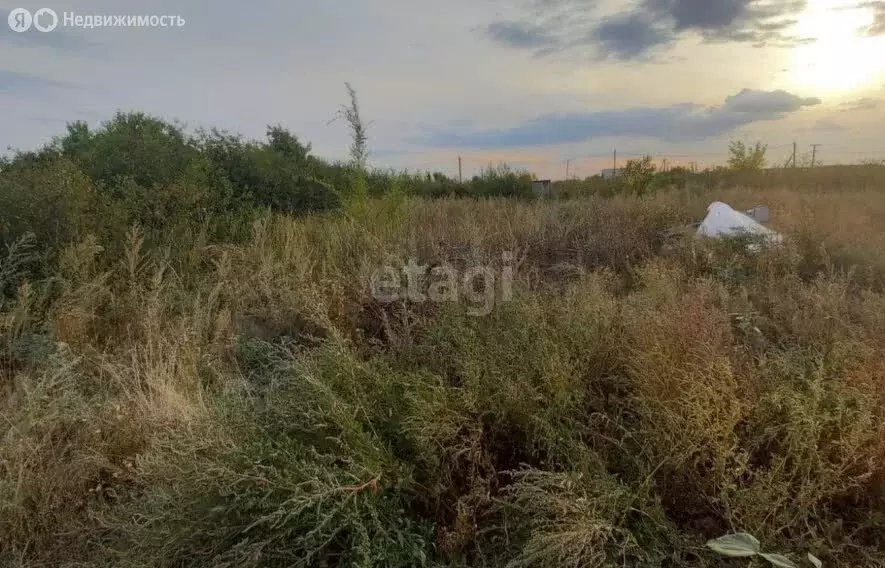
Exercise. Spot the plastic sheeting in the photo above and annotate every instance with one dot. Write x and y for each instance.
(723, 221)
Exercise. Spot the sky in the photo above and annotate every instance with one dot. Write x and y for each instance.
(553, 86)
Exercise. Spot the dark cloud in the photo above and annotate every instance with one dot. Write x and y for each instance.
(699, 14)
(628, 36)
(675, 123)
(753, 101)
(652, 24)
(752, 21)
(549, 26)
(520, 34)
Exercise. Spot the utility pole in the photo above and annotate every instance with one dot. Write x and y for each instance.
(460, 177)
(794, 153)
(567, 164)
(664, 165)
(615, 163)
(814, 153)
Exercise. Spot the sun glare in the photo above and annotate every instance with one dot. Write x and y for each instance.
(842, 58)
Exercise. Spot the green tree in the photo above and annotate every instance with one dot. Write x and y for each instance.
(746, 158)
(147, 150)
(280, 173)
(639, 175)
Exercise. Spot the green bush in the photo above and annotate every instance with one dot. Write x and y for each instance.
(280, 173)
(49, 197)
(501, 181)
(149, 151)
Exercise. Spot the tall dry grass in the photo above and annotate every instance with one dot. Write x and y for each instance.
(196, 403)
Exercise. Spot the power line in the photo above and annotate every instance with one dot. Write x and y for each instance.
(858, 152)
(814, 153)
(691, 160)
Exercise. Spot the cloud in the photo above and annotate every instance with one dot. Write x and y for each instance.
(628, 36)
(675, 123)
(651, 24)
(699, 14)
(730, 20)
(866, 103)
(761, 102)
(758, 22)
(823, 125)
(241, 73)
(24, 83)
(878, 25)
(520, 34)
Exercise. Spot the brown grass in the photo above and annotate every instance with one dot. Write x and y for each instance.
(217, 404)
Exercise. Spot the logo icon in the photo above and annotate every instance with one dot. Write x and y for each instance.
(45, 19)
(20, 20)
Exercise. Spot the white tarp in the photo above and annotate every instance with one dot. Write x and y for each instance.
(722, 221)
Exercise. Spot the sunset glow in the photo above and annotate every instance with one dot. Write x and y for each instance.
(842, 58)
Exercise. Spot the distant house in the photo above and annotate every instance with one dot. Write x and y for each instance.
(611, 173)
(542, 187)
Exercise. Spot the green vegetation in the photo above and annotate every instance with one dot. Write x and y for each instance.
(746, 158)
(139, 169)
(639, 175)
(193, 371)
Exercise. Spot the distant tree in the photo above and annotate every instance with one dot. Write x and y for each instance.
(746, 158)
(676, 176)
(502, 181)
(639, 175)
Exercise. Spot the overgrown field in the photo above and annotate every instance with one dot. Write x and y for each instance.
(178, 400)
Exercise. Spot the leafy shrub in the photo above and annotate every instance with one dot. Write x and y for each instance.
(501, 181)
(746, 158)
(50, 198)
(146, 150)
(639, 175)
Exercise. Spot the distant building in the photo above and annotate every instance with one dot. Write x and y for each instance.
(542, 187)
(611, 173)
